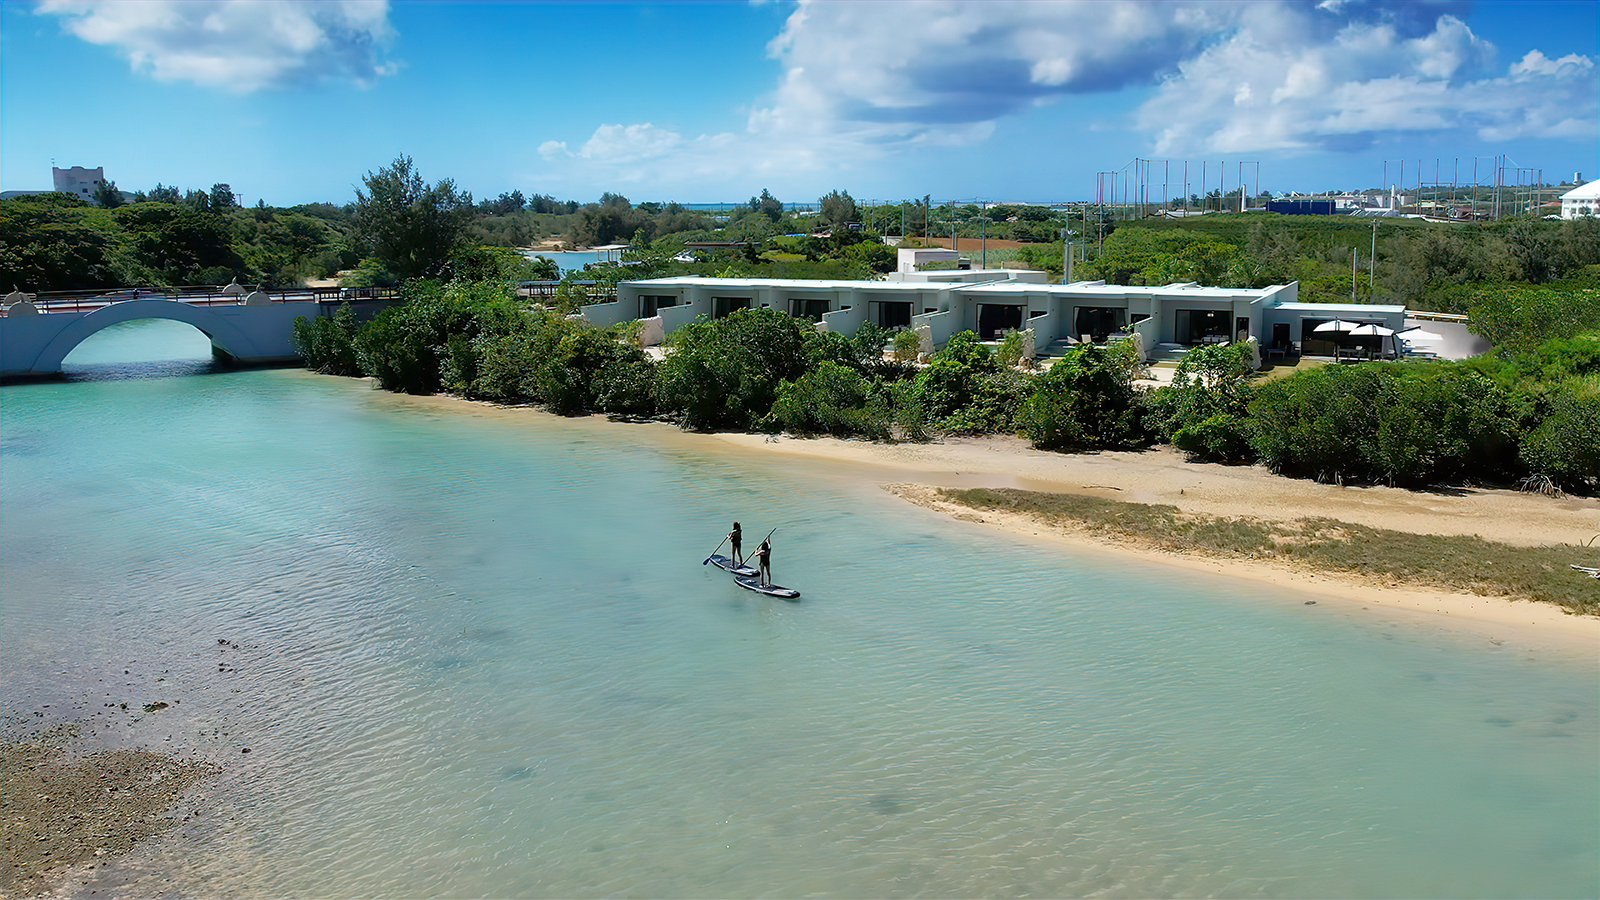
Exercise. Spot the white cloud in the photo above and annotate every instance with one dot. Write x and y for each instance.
(237, 45)
(929, 71)
(1343, 90)
(863, 82)
(629, 143)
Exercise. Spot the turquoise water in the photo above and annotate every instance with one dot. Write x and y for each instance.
(474, 653)
(568, 260)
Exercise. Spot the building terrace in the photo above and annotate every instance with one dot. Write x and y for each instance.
(940, 304)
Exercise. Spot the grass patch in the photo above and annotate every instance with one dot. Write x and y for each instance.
(1458, 563)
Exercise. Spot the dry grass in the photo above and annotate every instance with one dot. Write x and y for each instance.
(1457, 563)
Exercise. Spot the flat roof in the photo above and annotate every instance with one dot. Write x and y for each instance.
(797, 284)
(1340, 307)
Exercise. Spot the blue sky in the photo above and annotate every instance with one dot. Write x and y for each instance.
(292, 101)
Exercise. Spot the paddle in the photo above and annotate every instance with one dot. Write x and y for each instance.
(719, 547)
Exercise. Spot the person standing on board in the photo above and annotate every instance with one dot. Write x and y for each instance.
(763, 557)
(736, 536)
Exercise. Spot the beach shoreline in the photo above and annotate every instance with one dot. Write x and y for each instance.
(1163, 476)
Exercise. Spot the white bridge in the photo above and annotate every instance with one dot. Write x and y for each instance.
(37, 333)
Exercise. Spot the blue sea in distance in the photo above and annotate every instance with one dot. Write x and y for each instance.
(474, 653)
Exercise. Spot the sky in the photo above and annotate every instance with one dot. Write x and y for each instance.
(294, 101)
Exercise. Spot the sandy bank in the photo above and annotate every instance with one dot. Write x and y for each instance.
(1162, 476)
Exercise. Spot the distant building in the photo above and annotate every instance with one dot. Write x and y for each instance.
(1581, 201)
(78, 181)
(1303, 206)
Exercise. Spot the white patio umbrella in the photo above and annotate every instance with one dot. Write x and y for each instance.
(1336, 326)
(1419, 335)
(1371, 330)
(1375, 330)
(1413, 336)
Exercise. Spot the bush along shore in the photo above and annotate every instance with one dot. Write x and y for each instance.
(1528, 414)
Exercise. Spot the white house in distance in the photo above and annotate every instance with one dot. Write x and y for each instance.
(78, 181)
(991, 302)
(1583, 200)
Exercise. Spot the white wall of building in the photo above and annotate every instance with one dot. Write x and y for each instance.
(78, 181)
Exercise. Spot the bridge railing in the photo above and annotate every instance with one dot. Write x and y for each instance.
(198, 295)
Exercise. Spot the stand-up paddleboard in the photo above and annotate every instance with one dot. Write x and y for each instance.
(728, 565)
(771, 590)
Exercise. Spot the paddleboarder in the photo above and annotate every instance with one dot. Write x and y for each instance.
(763, 557)
(736, 536)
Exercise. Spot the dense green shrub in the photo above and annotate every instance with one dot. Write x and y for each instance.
(836, 400)
(724, 373)
(1397, 423)
(1565, 446)
(965, 390)
(1522, 319)
(409, 347)
(1084, 402)
(1204, 412)
(327, 344)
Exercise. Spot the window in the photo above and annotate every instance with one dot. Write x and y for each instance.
(722, 307)
(808, 308)
(1098, 321)
(650, 304)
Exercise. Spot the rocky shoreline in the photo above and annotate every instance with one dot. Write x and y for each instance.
(65, 809)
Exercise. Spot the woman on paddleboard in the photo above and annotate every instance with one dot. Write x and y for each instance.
(735, 536)
(763, 557)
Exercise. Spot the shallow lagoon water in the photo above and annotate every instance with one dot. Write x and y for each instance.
(476, 654)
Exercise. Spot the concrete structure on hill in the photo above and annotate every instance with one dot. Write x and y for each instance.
(1583, 200)
(939, 304)
(78, 181)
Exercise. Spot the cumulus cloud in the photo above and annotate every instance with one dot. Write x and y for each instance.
(864, 81)
(943, 72)
(238, 45)
(1370, 77)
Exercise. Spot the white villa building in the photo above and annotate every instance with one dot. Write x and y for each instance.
(940, 304)
(78, 181)
(1583, 200)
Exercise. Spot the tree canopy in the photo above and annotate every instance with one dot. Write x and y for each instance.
(410, 227)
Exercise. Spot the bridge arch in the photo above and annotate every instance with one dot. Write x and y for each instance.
(224, 334)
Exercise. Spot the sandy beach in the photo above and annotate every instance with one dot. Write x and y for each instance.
(1162, 476)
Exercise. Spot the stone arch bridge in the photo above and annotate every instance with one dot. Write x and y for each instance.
(36, 334)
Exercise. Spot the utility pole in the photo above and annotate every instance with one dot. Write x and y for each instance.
(1066, 251)
(1372, 264)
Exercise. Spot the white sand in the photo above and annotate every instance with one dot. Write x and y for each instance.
(1163, 476)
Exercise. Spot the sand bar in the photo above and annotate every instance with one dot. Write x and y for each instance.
(1162, 475)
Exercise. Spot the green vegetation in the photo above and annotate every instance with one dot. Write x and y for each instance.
(1456, 563)
(1532, 286)
(412, 228)
(1422, 265)
(1086, 401)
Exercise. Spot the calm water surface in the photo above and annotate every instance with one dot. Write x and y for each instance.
(474, 654)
